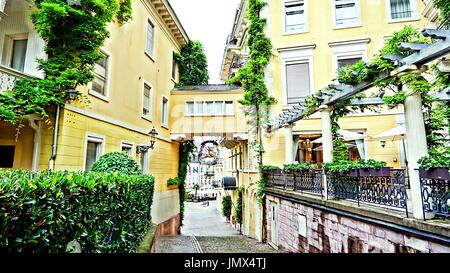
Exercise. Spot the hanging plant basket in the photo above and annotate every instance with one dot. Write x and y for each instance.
(435, 173)
(381, 172)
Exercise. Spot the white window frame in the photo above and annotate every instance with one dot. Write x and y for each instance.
(165, 116)
(93, 137)
(348, 50)
(358, 13)
(415, 9)
(93, 93)
(127, 144)
(306, 14)
(9, 47)
(297, 56)
(148, 117)
(151, 55)
(203, 114)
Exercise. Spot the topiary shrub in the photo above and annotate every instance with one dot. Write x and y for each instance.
(116, 162)
(226, 206)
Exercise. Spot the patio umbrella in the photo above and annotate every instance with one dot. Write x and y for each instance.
(347, 135)
(395, 134)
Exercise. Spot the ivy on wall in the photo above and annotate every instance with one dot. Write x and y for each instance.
(193, 65)
(73, 35)
(444, 7)
(185, 151)
(239, 205)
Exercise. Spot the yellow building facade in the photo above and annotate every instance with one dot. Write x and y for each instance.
(311, 40)
(129, 96)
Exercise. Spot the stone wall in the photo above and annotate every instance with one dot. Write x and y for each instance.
(170, 227)
(305, 229)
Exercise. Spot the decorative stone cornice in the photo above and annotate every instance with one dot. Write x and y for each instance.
(170, 18)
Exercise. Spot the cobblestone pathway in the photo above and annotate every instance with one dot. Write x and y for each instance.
(205, 231)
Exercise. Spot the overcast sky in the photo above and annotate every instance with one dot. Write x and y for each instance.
(210, 22)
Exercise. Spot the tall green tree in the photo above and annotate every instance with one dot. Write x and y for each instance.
(193, 65)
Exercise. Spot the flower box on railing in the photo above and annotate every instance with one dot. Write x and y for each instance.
(351, 173)
(385, 171)
(435, 173)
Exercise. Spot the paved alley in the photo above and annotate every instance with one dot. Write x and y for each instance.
(205, 231)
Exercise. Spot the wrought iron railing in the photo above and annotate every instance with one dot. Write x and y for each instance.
(435, 196)
(381, 190)
(307, 181)
(9, 77)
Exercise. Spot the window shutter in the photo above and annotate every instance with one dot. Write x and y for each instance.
(298, 85)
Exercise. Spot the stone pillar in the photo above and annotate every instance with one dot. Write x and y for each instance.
(417, 146)
(327, 135)
(289, 144)
(327, 142)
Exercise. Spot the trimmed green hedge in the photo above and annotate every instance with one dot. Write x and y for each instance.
(103, 212)
(116, 162)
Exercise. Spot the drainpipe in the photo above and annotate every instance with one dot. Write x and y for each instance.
(51, 166)
(37, 142)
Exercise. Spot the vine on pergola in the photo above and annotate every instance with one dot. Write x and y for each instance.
(73, 34)
(438, 113)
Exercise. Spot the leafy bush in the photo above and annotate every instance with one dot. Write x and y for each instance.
(298, 167)
(439, 158)
(345, 165)
(104, 212)
(270, 168)
(226, 206)
(116, 162)
(239, 208)
(173, 181)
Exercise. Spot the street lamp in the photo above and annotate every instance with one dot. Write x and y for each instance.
(153, 135)
(72, 94)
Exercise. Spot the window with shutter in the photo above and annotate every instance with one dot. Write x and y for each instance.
(297, 82)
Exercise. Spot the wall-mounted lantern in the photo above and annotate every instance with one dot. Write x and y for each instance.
(153, 135)
(383, 143)
(72, 94)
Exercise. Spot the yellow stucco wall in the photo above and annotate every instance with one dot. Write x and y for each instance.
(23, 144)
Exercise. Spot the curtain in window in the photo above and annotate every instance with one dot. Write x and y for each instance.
(295, 16)
(346, 12)
(295, 151)
(19, 54)
(400, 9)
(361, 148)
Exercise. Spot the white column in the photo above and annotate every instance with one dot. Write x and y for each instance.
(327, 142)
(417, 146)
(289, 144)
(327, 135)
(36, 125)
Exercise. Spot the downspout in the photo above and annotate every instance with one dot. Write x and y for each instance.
(51, 166)
(36, 125)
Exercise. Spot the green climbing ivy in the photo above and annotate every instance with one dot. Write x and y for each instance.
(239, 205)
(444, 7)
(193, 65)
(73, 35)
(185, 151)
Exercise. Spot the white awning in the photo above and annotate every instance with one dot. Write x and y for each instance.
(397, 133)
(347, 135)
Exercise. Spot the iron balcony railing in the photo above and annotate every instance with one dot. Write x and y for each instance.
(387, 191)
(9, 77)
(435, 195)
(307, 181)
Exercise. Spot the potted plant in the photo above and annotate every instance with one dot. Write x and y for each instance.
(298, 168)
(372, 167)
(435, 166)
(173, 183)
(342, 168)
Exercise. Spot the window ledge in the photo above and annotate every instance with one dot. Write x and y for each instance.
(150, 56)
(99, 96)
(147, 118)
(348, 26)
(173, 80)
(295, 33)
(165, 126)
(393, 21)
